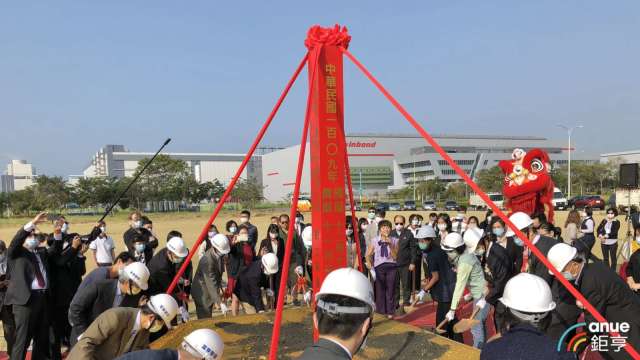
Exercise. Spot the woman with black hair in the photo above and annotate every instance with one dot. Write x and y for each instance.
(608, 236)
(362, 228)
(513, 245)
(585, 243)
(443, 227)
(273, 243)
(381, 260)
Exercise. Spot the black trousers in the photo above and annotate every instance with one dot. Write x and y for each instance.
(405, 282)
(610, 252)
(8, 326)
(32, 322)
(418, 264)
(441, 311)
(61, 329)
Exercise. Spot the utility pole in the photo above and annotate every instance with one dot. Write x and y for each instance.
(569, 132)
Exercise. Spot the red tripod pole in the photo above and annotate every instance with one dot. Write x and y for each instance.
(275, 334)
(235, 178)
(590, 308)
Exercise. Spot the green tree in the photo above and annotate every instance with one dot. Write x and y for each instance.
(206, 190)
(490, 180)
(431, 189)
(164, 179)
(456, 191)
(247, 192)
(22, 202)
(50, 193)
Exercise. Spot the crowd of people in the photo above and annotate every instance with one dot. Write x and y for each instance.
(51, 306)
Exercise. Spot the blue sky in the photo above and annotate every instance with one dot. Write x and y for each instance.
(75, 75)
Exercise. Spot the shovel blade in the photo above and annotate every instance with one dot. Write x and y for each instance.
(464, 325)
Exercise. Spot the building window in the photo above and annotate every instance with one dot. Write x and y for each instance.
(416, 164)
(459, 162)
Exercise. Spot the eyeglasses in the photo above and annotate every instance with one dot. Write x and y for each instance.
(399, 223)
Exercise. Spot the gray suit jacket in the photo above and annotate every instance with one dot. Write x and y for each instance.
(207, 280)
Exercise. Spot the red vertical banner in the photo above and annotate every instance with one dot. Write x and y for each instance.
(327, 150)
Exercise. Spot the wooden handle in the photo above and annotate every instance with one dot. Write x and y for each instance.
(438, 328)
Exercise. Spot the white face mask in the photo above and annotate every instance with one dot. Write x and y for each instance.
(349, 232)
(31, 243)
(363, 226)
(399, 228)
(233, 229)
(243, 237)
(378, 219)
(65, 227)
(156, 326)
(415, 222)
(244, 220)
(442, 227)
(610, 216)
(211, 234)
(371, 216)
(103, 229)
(137, 224)
(273, 235)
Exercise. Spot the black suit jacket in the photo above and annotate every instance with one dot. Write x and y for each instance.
(66, 273)
(615, 226)
(93, 300)
(612, 297)
(536, 267)
(248, 285)
(266, 243)
(162, 273)
(146, 234)
(324, 350)
(406, 247)
(515, 256)
(500, 266)
(22, 268)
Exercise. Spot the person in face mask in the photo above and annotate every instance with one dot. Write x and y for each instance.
(98, 297)
(352, 255)
(415, 221)
(405, 261)
(135, 224)
(485, 225)
(608, 236)
(206, 243)
(443, 227)
(140, 252)
(603, 289)
(469, 274)
(163, 268)
(587, 239)
(298, 254)
(498, 267)
(372, 229)
(207, 281)
(633, 267)
(240, 257)
(245, 219)
(459, 223)
(275, 244)
(256, 276)
(103, 248)
(6, 315)
(433, 220)
(121, 330)
(513, 246)
(343, 315)
(29, 288)
(472, 223)
(440, 280)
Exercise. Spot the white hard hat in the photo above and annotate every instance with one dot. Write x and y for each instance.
(471, 238)
(204, 343)
(270, 263)
(176, 246)
(426, 232)
(138, 273)
(221, 243)
(560, 254)
(528, 293)
(347, 282)
(164, 306)
(306, 236)
(520, 220)
(452, 241)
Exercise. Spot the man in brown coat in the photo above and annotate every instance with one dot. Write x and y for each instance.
(121, 330)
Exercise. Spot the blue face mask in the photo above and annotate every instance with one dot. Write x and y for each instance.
(518, 241)
(140, 247)
(498, 232)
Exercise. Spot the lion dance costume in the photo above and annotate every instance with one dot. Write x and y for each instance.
(527, 184)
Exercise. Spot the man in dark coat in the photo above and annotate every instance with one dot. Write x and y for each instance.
(97, 297)
(29, 288)
(407, 253)
(245, 218)
(603, 289)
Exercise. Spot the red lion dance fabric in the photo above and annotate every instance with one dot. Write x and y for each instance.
(527, 183)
